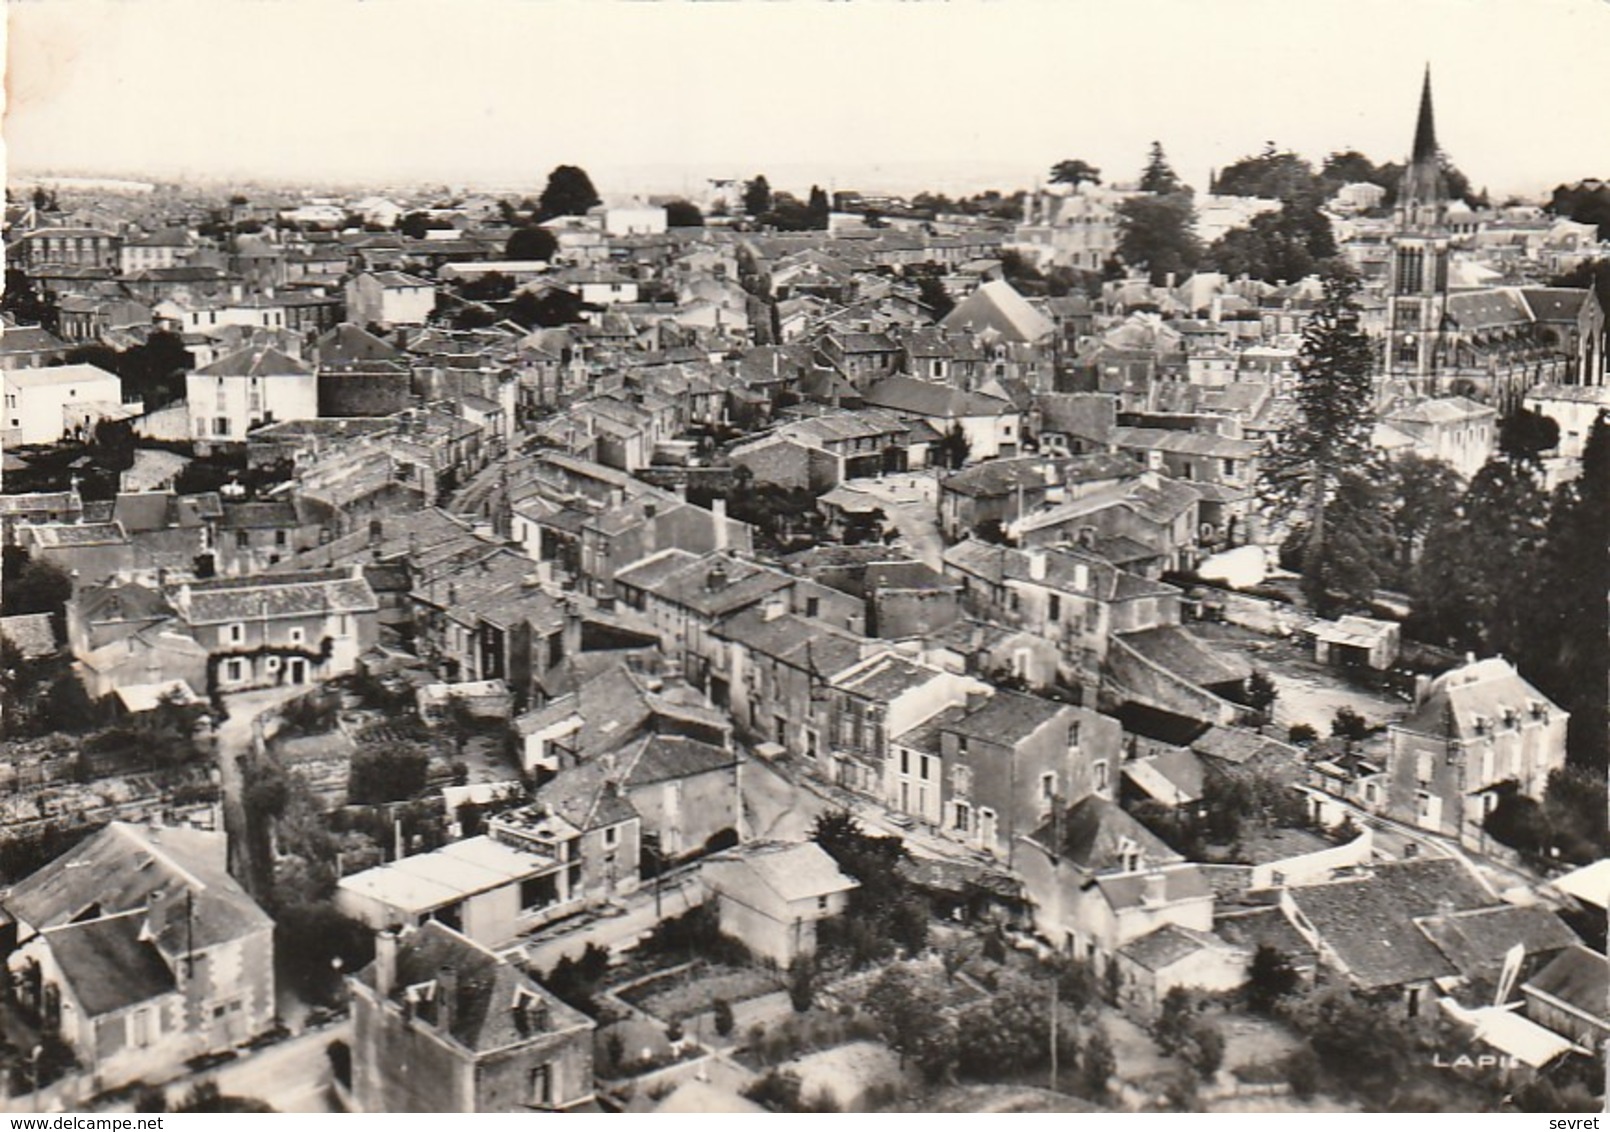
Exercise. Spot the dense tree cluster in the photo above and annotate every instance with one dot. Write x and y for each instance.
(1584, 202)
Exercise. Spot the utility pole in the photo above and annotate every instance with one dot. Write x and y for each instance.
(1056, 994)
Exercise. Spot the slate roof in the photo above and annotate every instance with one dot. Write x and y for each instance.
(1368, 922)
(108, 964)
(263, 516)
(1475, 694)
(484, 1018)
(1487, 309)
(1555, 304)
(125, 867)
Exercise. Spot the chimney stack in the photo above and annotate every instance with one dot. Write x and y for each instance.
(386, 962)
(446, 997)
(976, 700)
(718, 508)
(1155, 891)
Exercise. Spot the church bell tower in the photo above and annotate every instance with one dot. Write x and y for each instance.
(1417, 299)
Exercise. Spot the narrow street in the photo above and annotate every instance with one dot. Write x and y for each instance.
(234, 739)
(911, 501)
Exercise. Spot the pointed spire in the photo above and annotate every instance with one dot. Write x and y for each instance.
(1425, 129)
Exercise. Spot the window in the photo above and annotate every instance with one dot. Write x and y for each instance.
(1048, 785)
(541, 1091)
(280, 538)
(221, 426)
(236, 634)
(813, 606)
(963, 818)
(1229, 469)
(1101, 774)
(235, 671)
(612, 835)
(821, 904)
(298, 636)
(905, 762)
(140, 1029)
(243, 540)
(961, 780)
(1054, 610)
(922, 768)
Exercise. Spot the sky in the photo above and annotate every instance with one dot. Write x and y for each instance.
(890, 95)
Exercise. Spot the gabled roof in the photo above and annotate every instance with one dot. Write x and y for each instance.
(348, 343)
(1179, 882)
(997, 306)
(484, 1016)
(256, 361)
(1474, 699)
(1095, 834)
(1177, 650)
(274, 595)
(793, 870)
(1367, 923)
(127, 867)
(930, 399)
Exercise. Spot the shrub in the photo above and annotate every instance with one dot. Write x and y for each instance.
(802, 983)
(1302, 1072)
(723, 1017)
(1302, 734)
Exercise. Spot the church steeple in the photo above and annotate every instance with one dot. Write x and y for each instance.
(1425, 130)
(1423, 192)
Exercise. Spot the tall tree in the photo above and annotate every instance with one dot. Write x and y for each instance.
(1564, 646)
(569, 192)
(683, 214)
(1526, 435)
(1160, 233)
(757, 196)
(1480, 573)
(1158, 177)
(533, 243)
(1422, 494)
(818, 211)
(1332, 430)
(1075, 172)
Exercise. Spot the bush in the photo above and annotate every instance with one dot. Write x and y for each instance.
(802, 983)
(777, 1091)
(1302, 1072)
(1302, 734)
(723, 1017)
(1349, 724)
